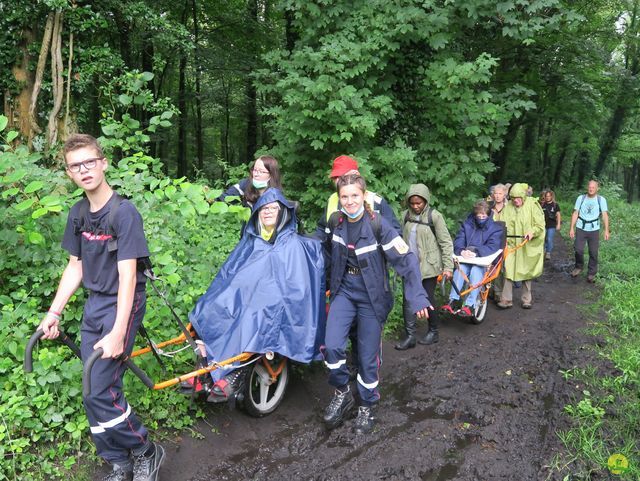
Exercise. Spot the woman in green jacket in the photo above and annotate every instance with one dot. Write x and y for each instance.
(425, 231)
(524, 218)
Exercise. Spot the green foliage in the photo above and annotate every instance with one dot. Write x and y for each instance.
(123, 94)
(43, 428)
(393, 85)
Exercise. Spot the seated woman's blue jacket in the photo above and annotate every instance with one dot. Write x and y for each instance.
(372, 255)
(484, 240)
(266, 296)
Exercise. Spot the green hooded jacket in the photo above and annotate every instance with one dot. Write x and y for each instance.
(436, 252)
(525, 263)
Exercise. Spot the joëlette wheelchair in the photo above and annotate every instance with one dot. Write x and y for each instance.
(493, 267)
(264, 377)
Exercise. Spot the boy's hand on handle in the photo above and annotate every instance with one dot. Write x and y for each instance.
(111, 344)
(49, 326)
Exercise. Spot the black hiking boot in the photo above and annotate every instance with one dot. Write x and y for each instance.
(147, 465)
(408, 342)
(119, 473)
(365, 420)
(338, 408)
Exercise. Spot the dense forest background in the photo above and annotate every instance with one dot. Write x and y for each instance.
(456, 94)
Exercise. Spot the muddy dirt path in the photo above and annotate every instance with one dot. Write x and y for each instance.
(482, 404)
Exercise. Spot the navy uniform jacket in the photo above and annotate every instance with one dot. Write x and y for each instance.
(371, 255)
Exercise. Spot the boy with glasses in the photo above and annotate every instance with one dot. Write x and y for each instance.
(104, 258)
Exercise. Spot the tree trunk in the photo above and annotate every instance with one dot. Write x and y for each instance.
(124, 28)
(582, 165)
(18, 110)
(198, 99)
(291, 36)
(557, 176)
(499, 157)
(227, 123)
(147, 66)
(632, 181)
(37, 84)
(251, 94)
(182, 119)
(57, 80)
(529, 142)
(546, 158)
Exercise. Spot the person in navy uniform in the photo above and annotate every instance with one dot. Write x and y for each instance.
(113, 310)
(358, 245)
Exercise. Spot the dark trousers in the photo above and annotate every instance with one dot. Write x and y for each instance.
(593, 242)
(352, 304)
(115, 429)
(429, 285)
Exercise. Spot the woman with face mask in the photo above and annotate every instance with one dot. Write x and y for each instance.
(263, 173)
(359, 244)
(479, 236)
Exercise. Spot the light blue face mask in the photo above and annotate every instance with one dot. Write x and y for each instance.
(260, 184)
(353, 216)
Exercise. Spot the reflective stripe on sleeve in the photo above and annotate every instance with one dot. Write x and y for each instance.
(389, 245)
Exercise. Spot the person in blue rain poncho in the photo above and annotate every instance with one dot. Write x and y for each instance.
(269, 295)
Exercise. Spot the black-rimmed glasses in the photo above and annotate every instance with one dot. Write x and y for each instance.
(87, 164)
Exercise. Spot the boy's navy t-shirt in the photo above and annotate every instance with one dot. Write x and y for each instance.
(89, 244)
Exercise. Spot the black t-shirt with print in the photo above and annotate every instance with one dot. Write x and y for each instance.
(89, 243)
(550, 209)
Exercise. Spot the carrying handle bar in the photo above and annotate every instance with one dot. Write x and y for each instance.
(97, 354)
(28, 353)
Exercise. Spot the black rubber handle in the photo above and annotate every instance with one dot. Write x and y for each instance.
(86, 371)
(28, 353)
(97, 354)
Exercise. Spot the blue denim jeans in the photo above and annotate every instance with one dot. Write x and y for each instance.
(548, 239)
(475, 275)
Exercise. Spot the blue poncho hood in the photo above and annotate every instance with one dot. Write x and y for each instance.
(267, 296)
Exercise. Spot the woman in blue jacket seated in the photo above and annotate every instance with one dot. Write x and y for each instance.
(479, 236)
(269, 295)
(358, 243)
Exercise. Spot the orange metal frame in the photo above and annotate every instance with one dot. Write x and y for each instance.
(490, 274)
(245, 356)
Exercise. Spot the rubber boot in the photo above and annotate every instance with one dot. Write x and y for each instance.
(410, 328)
(431, 337)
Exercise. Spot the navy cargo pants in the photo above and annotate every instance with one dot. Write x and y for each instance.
(115, 429)
(350, 304)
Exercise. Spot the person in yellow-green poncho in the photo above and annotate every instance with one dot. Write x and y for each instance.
(523, 216)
